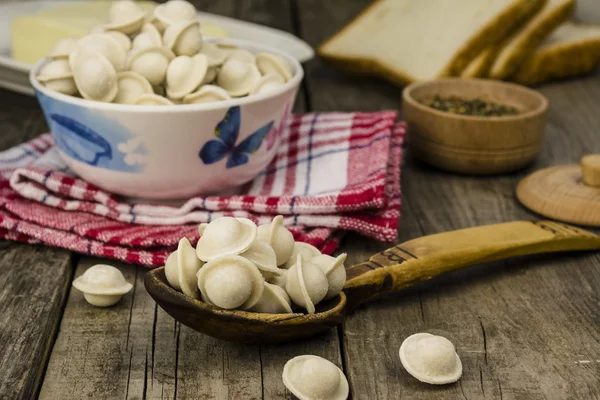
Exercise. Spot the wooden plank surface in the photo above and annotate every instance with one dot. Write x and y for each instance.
(35, 279)
(525, 329)
(135, 350)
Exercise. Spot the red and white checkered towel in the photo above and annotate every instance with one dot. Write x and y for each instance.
(334, 172)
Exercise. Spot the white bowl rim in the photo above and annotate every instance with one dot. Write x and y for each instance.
(176, 108)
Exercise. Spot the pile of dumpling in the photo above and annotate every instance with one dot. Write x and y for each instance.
(158, 59)
(237, 265)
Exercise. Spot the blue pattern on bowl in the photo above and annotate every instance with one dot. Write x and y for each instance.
(93, 138)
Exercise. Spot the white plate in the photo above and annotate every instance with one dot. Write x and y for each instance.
(14, 74)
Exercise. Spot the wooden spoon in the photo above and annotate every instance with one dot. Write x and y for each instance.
(398, 267)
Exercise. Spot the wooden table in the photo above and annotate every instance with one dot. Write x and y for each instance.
(525, 329)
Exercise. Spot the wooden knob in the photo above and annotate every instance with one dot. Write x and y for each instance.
(590, 166)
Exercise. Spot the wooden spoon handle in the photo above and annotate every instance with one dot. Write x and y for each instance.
(424, 258)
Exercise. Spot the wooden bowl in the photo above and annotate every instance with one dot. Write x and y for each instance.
(472, 144)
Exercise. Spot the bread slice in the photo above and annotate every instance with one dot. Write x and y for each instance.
(414, 40)
(571, 50)
(480, 66)
(514, 50)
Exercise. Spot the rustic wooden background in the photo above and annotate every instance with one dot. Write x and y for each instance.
(525, 329)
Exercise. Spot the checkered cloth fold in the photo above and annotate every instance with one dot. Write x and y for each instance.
(333, 172)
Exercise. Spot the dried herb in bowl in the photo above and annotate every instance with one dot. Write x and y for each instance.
(470, 106)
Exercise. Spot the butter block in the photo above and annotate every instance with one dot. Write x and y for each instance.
(97, 10)
(208, 29)
(33, 36)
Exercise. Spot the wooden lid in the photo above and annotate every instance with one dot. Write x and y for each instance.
(569, 193)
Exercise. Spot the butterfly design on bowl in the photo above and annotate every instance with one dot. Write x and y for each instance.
(227, 132)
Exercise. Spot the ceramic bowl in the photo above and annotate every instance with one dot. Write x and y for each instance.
(154, 152)
(472, 144)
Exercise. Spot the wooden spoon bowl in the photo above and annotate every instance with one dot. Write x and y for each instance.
(393, 269)
(242, 326)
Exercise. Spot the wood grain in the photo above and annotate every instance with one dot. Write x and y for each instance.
(34, 279)
(561, 193)
(92, 341)
(137, 351)
(429, 257)
(34, 283)
(396, 268)
(525, 329)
